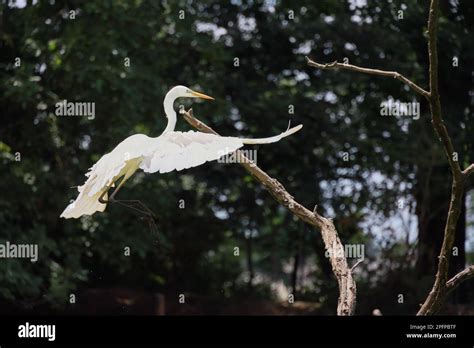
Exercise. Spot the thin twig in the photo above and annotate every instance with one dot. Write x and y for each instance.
(454, 282)
(335, 65)
(356, 264)
(469, 170)
(347, 286)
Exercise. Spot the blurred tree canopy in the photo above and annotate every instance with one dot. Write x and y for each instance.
(249, 55)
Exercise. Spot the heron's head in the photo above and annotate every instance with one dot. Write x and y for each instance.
(185, 92)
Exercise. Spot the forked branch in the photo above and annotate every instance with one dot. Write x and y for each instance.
(442, 285)
(462, 276)
(347, 286)
(335, 65)
(469, 170)
(440, 290)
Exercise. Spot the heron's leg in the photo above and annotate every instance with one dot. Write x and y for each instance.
(111, 197)
(117, 188)
(101, 198)
(135, 205)
(142, 209)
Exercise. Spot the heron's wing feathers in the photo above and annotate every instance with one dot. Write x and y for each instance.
(182, 150)
(171, 151)
(84, 204)
(274, 139)
(104, 173)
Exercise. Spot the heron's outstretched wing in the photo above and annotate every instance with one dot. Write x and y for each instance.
(182, 150)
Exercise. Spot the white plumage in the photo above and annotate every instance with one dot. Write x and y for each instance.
(183, 150)
(170, 151)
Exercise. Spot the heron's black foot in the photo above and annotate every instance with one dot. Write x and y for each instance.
(137, 206)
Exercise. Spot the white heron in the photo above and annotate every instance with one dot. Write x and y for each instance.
(170, 151)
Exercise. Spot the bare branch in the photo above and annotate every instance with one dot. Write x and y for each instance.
(455, 281)
(335, 65)
(434, 100)
(438, 293)
(469, 170)
(442, 286)
(347, 286)
(356, 264)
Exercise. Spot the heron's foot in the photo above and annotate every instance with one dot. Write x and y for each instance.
(138, 207)
(145, 215)
(151, 224)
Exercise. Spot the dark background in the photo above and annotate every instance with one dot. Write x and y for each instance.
(391, 160)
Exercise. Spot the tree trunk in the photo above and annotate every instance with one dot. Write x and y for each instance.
(432, 208)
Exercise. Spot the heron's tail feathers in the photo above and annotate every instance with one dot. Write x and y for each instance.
(273, 139)
(84, 204)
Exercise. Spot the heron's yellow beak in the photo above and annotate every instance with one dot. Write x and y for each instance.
(201, 95)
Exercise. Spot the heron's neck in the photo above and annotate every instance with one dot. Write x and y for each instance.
(170, 113)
